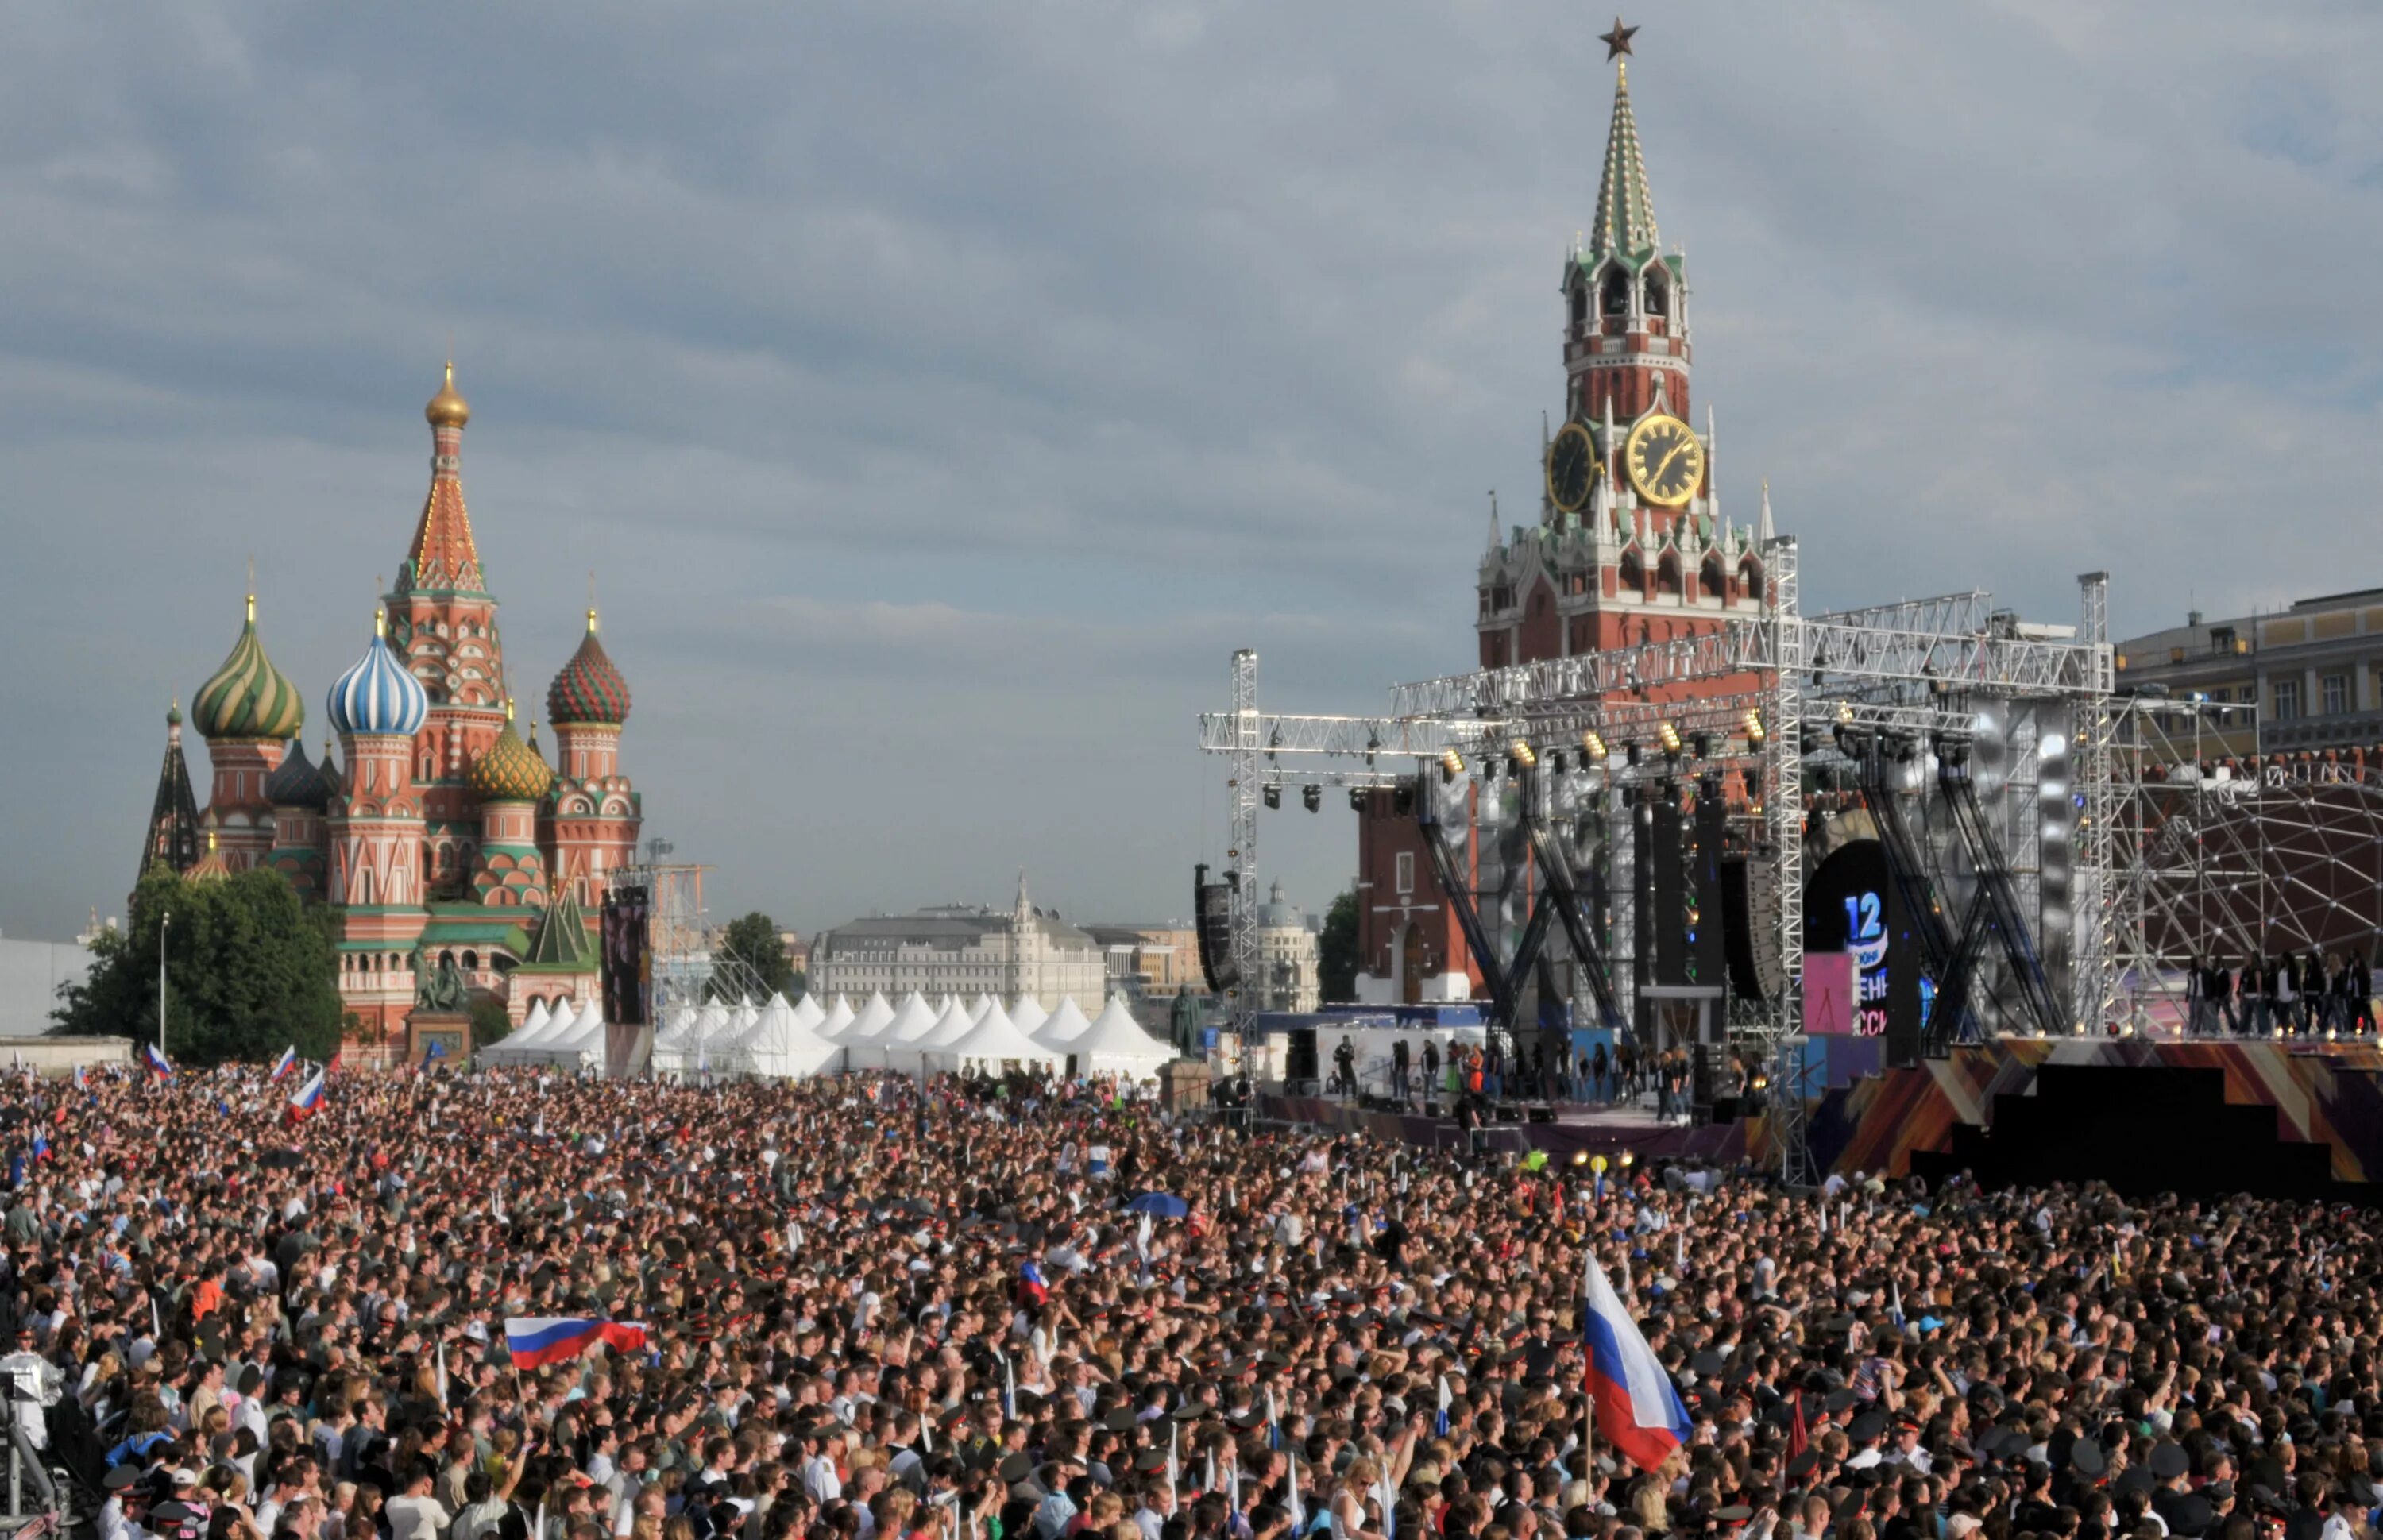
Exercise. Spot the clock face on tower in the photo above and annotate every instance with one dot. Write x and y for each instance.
(1665, 462)
(1571, 468)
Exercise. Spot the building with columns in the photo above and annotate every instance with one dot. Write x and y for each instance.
(1630, 545)
(434, 827)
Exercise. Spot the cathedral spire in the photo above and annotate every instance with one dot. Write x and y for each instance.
(443, 558)
(174, 815)
(1625, 211)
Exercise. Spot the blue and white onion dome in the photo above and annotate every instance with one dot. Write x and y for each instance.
(377, 696)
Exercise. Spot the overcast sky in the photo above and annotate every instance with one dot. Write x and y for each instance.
(941, 391)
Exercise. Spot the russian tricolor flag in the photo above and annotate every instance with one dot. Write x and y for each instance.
(284, 1065)
(307, 1099)
(1638, 1412)
(538, 1339)
(157, 1062)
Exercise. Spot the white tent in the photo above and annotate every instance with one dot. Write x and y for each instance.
(779, 1046)
(910, 1021)
(570, 1047)
(1115, 1043)
(699, 1034)
(977, 1008)
(871, 1019)
(1066, 1024)
(536, 1024)
(808, 1014)
(993, 1044)
(948, 1027)
(839, 1019)
(1028, 1013)
(897, 1046)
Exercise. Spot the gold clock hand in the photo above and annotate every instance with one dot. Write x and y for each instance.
(1677, 450)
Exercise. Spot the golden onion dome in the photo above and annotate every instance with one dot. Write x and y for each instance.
(448, 409)
(511, 770)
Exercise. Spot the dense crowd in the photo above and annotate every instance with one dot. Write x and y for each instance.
(875, 1311)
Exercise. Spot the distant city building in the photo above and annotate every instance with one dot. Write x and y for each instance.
(1287, 956)
(31, 973)
(1151, 960)
(2314, 672)
(963, 950)
(799, 950)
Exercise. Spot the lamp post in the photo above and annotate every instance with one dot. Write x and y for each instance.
(162, 921)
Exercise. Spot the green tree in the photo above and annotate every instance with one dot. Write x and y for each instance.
(491, 1022)
(1336, 950)
(752, 941)
(249, 966)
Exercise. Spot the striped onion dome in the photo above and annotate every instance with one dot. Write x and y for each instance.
(590, 690)
(377, 696)
(511, 770)
(248, 698)
(297, 783)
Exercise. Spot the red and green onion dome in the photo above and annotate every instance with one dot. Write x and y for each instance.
(297, 782)
(589, 691)
(511, 770)
(248, 698)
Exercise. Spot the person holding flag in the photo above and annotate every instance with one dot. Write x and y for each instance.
(157, 1062)
(283, 1066)
(1632, 1401)
(307, 1099)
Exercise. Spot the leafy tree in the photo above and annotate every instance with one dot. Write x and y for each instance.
(250, 969)
(752, 940)
(1336, 950)
(490, 1023)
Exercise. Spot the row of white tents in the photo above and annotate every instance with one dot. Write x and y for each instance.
(785, 1042)
(566, 1036)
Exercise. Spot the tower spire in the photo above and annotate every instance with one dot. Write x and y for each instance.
(443, 557)
(1625, 211)
(174, 815)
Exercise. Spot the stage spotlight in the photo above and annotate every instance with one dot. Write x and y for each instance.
(1669, 736)
(1754, 732)
(1846, 712)
(1358, 798)
(1451, 765)
(1523, 755)
(1373, 746)
(1273, 795)
(1628, 1160)
(1703, 742)
(1592, 745)
(1274, 740)
(1311, 798)
(1580, 1157)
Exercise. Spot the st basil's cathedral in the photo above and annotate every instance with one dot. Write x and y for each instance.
(437, 830)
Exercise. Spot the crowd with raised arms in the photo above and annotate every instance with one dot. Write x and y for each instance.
(876, 1310)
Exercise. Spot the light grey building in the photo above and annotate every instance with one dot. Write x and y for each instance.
(31, 972)
(965, 950)
(2315, 671)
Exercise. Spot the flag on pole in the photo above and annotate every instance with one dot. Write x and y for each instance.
(307, 1100)
(1440, 1418)
(83, 1081)
(157, 1062)
(283, 1066)
(534, 1341)
(1637, 1408)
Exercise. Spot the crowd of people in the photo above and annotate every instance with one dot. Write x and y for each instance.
(868, 1309)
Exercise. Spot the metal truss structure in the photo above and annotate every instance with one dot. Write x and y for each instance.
(1761, 701)
(2231, 862)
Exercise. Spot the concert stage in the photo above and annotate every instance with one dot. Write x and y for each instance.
(2293, 1118)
